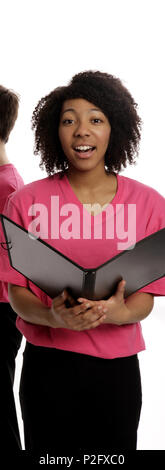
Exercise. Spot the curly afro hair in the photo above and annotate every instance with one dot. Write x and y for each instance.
(110, 95)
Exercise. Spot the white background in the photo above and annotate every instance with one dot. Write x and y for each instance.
(43, 44)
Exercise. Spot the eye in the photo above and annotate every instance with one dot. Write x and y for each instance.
(66, 121)
(97, 119)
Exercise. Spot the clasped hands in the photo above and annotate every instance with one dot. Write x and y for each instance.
(89, 313)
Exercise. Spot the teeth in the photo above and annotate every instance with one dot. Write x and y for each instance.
(81, 147)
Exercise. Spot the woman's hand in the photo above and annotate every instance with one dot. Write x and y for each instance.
(120, 311)
(76, 317)
(115, 309)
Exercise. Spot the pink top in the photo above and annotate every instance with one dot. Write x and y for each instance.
(10, 181)
(57, 224)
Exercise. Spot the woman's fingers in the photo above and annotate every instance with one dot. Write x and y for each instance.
(82, 300)
(71, 300)
(119, 293)
(90, 316)
(92, 322)
(60, 299)
(98, 322)
(59, 302)
(81, 308)
(78, 317)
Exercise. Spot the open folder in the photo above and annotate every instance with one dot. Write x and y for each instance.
(51, 271)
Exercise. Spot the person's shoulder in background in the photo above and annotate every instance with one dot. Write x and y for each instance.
(10, 181)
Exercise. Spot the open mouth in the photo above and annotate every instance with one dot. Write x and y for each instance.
(85, 151)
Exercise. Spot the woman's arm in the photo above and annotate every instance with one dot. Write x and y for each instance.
(89, 314)
(135, 308)
(139, 305)
(118, 311)
(30, 308)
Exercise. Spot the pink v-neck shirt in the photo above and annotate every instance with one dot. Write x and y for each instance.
(69, 228)
(10, 181)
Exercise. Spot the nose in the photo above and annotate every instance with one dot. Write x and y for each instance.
(81, 129)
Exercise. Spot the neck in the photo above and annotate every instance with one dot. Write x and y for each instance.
(3, 155)
(87, 179)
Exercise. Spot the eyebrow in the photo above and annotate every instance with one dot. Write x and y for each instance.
(71, 109)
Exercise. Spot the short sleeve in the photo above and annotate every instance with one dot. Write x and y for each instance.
(7, 272)
(10, 181)
(156, 221)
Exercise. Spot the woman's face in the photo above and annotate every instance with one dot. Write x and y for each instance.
(83, 124)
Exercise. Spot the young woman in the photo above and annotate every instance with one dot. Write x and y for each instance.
(80, 386)
(10, 181)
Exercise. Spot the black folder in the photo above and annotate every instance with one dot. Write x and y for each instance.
(51, 271)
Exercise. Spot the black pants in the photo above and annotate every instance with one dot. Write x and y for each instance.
(9, 345)
(73, 402)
